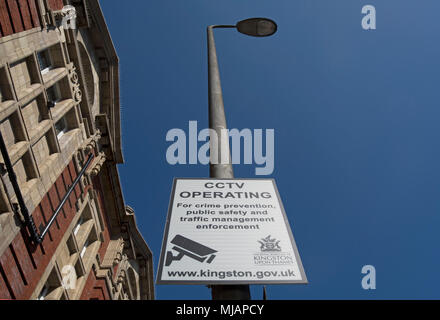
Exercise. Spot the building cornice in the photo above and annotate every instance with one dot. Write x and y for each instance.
(113, 60)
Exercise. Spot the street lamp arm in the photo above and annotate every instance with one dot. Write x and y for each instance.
(218, 26)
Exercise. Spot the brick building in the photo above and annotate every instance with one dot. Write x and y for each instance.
(65, 231)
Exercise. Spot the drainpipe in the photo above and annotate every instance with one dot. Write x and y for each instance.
(66, 196)
(29, 221)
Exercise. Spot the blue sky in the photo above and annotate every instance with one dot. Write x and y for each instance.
(356, 119)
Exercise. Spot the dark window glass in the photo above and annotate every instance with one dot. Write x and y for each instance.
(53, 94)
(44, 60)
(61, 127)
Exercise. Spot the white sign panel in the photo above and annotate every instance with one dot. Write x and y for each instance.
(228, 231)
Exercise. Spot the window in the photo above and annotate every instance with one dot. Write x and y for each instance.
(84, 249)
(43, 293)
(52, 289)
(61, 127)
(78, 226)
(71, 245)
(12, 129)
(53, 95)
(44, 61)
(5, 89)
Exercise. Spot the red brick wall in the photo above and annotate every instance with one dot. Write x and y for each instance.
(23, 263)
(56, 4)
(18, 15)
(106, 233)
(95, 289)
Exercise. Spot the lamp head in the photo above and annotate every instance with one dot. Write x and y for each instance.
(257, 27)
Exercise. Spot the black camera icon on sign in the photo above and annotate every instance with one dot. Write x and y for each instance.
(189, 248)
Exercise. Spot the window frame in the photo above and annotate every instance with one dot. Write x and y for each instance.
(65, 129)
(78, 225)
(43, 293)
(84, 249)
(57, 93)
(48, 57)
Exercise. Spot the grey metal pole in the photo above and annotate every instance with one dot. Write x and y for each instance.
(218, 169)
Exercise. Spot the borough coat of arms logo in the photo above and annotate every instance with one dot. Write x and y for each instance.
(269, 244)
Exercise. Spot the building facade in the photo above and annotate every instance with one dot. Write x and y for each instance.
(65, 231)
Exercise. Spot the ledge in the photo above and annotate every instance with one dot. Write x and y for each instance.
(19, 35)
(61, 108)
(52, 76)
(39, 131)
(7, 108)
(17, 151)
(66, 139)
(27, 94)
(83, 233)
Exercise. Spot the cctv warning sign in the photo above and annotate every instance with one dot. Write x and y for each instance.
(228, 231)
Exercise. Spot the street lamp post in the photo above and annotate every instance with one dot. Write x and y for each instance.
(220, 163)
